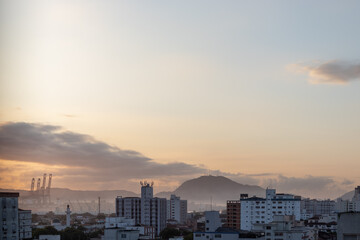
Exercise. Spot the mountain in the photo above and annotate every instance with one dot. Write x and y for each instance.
(348, 196)
(215, 189)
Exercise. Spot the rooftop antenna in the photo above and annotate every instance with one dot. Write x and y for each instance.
(211, 203)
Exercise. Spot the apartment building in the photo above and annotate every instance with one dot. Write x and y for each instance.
(9, 215)
(262, 210)
(313, 207)
(233, 210)
(147, 210)
(177, 209)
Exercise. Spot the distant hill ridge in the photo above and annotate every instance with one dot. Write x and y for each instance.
(217, 189)
(68, 194)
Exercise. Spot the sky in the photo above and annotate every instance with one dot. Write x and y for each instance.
(104, 94)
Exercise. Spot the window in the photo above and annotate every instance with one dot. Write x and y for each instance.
(217, 235)
(123, 235)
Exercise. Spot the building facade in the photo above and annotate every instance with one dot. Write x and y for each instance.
(233, 210)
(313, 207)
(147, 210)
(9, 216)
(348, 226)
(177, 209)
(129, 207)
(25, 220)
(285, 228)
(262, 210)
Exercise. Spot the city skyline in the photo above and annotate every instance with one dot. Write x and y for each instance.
(115, 92)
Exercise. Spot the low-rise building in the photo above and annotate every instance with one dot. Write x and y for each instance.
(327, 223)
(285, 228)
(214, 230)
(121, 234)
(49, 237)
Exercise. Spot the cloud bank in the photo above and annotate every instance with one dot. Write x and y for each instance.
(79, 161)
(331, 72)
(84, 155)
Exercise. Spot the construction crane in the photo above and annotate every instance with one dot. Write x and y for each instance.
(32, 185)
(43, 188)
(48, 188)
(44, 182)
(38, 184)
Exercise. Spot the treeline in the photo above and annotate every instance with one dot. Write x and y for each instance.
(70, 233)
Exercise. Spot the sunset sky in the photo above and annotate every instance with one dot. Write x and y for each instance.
(106, 93)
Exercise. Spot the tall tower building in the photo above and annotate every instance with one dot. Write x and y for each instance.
(147, 210)
(146, 196)
(233, 214)
(177, 209)
(68, 212)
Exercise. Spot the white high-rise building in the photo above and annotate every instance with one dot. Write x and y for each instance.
(177, 209)
(147, 210)
(9, 216)
(262, 210)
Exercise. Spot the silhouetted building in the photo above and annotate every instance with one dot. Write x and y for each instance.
(348, 226)
(9, 216)
(25, 220)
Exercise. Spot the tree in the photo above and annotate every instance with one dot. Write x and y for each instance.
(189, 236)
(169, 233)
(72, 233)
(49, 230)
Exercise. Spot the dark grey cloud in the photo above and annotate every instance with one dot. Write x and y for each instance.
(347, 182)
(308, 186)
(308, 183)
(48, 144)
(332, 72)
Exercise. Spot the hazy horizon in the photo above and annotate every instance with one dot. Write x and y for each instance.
(104, 94)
